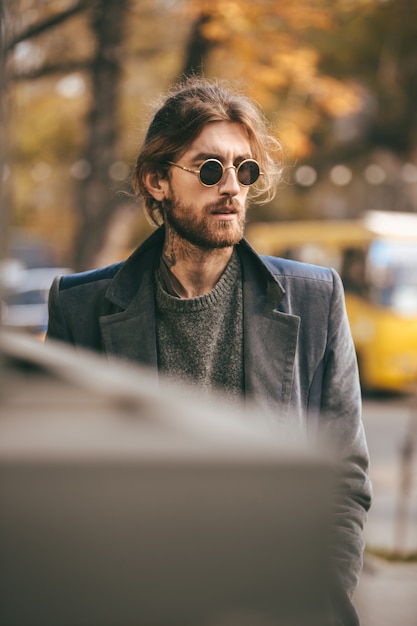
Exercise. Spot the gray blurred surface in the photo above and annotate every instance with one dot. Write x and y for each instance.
(125, 501)
(69, 413)
(387, 591)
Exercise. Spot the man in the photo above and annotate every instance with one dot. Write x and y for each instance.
(196, 302)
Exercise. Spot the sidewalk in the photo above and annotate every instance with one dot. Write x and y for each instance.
(387, 593)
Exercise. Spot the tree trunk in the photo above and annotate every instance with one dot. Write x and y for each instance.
(96, 199)
(3, 208)
(198, 47)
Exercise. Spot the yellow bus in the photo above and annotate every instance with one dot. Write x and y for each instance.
(376, 257)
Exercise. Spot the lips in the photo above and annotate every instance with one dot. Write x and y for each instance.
(224, 210)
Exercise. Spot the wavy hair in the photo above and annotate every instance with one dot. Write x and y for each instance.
(181, 116)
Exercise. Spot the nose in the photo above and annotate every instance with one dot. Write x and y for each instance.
(229, 185)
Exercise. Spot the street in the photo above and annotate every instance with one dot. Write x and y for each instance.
(390, 424)
(387, 590)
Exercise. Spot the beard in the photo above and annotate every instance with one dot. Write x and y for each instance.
(202, 230)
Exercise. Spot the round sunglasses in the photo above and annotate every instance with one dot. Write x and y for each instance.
(212, 171)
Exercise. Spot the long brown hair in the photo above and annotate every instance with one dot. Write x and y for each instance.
(187, 108)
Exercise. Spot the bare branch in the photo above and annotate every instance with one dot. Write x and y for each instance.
(48, 70)
(36, 29)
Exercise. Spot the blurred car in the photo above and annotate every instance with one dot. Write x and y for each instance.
(24, 303)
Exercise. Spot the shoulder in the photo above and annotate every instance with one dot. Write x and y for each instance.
(76, 302)
(306, 285)
(89, 278)
(297, 280)
(103, 275)
(283, 269)
(125, 272)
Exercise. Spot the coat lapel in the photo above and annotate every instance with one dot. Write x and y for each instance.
(130, 332)
(270, 340)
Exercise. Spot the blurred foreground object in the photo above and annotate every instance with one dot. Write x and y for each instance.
(130, 502)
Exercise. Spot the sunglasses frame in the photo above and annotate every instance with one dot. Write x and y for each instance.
(224, 169)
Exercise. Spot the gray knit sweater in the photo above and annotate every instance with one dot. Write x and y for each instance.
(200, 340)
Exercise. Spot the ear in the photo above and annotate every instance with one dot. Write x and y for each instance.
(156, 185)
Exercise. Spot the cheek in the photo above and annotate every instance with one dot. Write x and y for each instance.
(244, 191)
(186, 189)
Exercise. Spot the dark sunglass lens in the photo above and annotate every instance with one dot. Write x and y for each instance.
(211, 172)
(248, 172)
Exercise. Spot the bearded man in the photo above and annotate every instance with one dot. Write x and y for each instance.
(197, 303)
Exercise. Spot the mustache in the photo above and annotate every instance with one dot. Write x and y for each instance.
(226, 203)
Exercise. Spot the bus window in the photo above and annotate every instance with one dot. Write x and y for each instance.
(392, 271)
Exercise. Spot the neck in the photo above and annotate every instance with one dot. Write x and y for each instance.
(195, 269)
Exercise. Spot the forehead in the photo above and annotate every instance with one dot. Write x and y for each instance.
(222, 139)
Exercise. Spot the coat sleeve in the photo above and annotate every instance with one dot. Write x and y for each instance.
(57, 327)
(340, 424)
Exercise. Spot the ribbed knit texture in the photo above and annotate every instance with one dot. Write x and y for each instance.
(200, 340)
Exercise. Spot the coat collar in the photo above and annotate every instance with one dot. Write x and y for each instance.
(130, 333)
(134, 273)
(270, 337)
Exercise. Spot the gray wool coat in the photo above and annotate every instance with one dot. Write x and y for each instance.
(300, 363)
